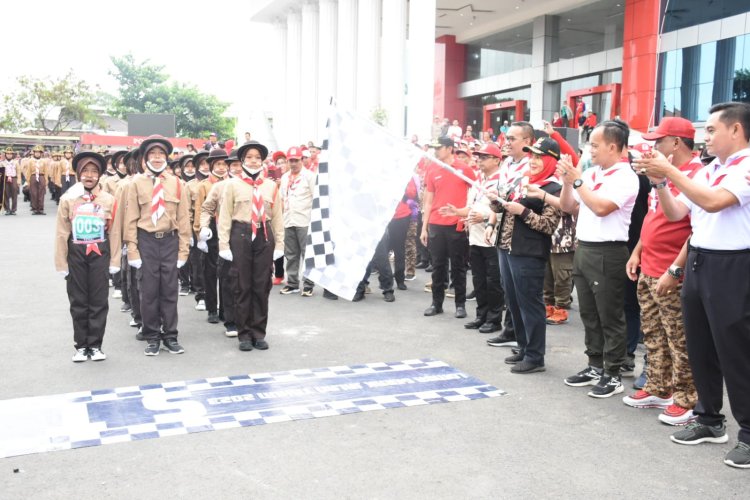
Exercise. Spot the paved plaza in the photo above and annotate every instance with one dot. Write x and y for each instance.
(541, 440)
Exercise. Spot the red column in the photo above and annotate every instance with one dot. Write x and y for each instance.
(639, 60)
(450, 65)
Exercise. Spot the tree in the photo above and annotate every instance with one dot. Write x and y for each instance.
(143, 88)
(49, 105)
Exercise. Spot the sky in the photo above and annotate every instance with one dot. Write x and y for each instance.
(198, 42)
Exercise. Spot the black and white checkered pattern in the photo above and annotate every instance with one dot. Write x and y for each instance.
(93, 418)
(366, 171)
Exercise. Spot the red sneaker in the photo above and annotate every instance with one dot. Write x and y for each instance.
(558, 317)
(549, 310)
(677, 415)
(278, 281)
(642, 399)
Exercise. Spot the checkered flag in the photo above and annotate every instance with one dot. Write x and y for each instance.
(355, 198)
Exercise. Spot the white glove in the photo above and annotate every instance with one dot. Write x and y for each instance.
(192, 241)
(202, 246)
(205, 234)
(226, 255)
(277, 254)
(64, 274)
(137, 263)
(180, 263)
(114, 270)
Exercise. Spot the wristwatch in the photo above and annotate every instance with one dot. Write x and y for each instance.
(577, 183)
(659, 185)
(676, 272)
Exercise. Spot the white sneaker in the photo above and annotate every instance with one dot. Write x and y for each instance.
(201, 305)
(133, 322)
(117, 294)
(97, 354)
(81, 354)
(231, 333)
(677, 415)
(642, 399)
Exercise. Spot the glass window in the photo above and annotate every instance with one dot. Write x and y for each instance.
(592, 28)
(685, 13)
(500, 53)
(707, 62)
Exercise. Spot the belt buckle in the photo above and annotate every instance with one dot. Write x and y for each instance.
(159, 235)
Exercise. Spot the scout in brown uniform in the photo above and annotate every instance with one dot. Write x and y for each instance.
(52, 170)
(82, 254)
(251, 231)
(11, 172)
(67, 174)
(218, 167)
(202, 171)
(157, 233)
(35, 172)
(109, 184)
(206, 219)
(187, 175)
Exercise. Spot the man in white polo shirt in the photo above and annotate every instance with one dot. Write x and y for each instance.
(716, 291)
(603, 198)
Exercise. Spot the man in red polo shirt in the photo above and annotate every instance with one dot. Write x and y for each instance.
(446, 235)
(661, 255)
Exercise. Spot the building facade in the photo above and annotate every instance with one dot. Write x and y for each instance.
(489, 61)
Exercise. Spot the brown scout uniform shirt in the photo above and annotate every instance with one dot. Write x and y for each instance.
(192, 187)
(65, 212)
(138, 213)
(29, 165)
(201, 193)
(210, 207)
(57, 173)
(121, 195)
(237, 205)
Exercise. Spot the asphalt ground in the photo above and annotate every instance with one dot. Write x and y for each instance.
(541, 440)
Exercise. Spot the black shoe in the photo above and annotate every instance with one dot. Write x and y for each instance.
(433, 310)
(139, 335)
(260, 344)
(125, 308)
(489, 328)
(527, 367)
(429, 268)
(503, 340)
(330, 296)
(515, 350)
(421, 265)
(359, 295)
(627, 369)
(607, 386)
(172, 347)
(246, 345)
(472, 295)
(389, 297)
(152, 349)
(460, 312)
(473, 325)
(401, 286)
(213, 318)
(515, 358)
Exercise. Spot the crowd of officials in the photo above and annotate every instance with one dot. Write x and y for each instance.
(654, 239)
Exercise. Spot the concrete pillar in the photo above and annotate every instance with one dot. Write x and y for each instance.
(543, 104)
(291, 134)
(308, 112)
(368, 56)
(327, 66)
(346, 54)
(421, 68)
(393, 59)
(278, 90)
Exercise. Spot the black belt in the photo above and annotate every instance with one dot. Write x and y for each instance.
(603, 243)
(159, 234)
(249, 225)
(718, 252)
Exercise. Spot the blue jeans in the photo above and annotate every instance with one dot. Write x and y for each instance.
(523, 282)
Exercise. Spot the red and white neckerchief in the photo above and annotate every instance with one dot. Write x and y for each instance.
(294, 180)
(158, 206)
(715, 181)
(258, 215)
(607, 173)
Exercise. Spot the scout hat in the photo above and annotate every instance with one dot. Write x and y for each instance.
(39, 148)
(117, 156)
(10, 150)
(85, 157)
(232, 156)
(214, 156)
(199, 157)
(153, 141)
(186, 158)
(544, 146)
(242, 151)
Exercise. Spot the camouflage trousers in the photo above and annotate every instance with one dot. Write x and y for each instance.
(411, 248)
(668, 369)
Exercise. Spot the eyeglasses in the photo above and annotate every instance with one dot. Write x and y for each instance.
(483, 157)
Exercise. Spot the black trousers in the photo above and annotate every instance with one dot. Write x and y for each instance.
(226, 292)
(251, 268)
(124, 278)
(158, 284)
(397, 231)
(134, 293)
(485, 276)
(210, 276)
(88, 293)
(380, 262)
(66, 184)
(184, 275)
(196, 258)
(278, 267)
(447, 244)
(423, 254)
(11, 196)
(716, 313)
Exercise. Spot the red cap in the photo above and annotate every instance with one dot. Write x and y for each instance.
(277, 155)
(672, 126)
(294, 153)
(490, 149)
(640, 149)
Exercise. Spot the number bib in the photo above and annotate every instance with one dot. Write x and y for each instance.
(88, 224)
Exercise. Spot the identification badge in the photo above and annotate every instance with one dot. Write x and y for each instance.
(88, 224)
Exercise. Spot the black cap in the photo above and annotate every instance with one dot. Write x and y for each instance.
(545, 147)
(443, 140)
(242, 150)
(81, 159)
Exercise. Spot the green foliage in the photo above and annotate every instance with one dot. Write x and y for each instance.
(143, 88)
(379, 116)
(49, 105)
